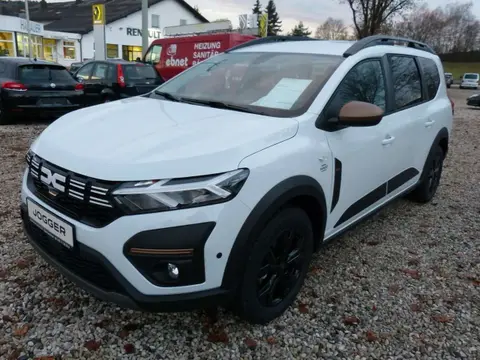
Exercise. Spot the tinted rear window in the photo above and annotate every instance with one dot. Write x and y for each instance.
(44, 73)
(471, 76)
(431, 76)
(138, 72)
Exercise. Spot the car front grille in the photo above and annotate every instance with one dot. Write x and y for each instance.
(79, 262)
(79, 197)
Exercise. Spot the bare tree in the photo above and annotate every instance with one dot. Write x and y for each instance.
(370, 15)
(332, 29)
(453, 29)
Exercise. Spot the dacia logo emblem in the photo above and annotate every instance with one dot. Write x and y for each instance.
(52, 85)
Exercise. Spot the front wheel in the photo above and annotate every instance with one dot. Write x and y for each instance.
(276, 268)
(432, 174)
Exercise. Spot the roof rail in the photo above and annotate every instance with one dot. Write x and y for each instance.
(268, 40)
(376, 40)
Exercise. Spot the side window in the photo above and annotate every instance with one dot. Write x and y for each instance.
(365, 82)
(406, 81)
(153, 56)
(100, 71)
(85, 71)
(431, 76)
(112, 72)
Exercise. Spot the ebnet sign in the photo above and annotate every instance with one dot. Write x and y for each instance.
(191, 53)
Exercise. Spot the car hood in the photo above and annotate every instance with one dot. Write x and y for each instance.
(141, 138)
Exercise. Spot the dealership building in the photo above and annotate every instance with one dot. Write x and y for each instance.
(63, 32)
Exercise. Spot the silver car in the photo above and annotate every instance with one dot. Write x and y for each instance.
(470, 81)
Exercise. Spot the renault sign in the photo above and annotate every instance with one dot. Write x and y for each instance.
(98, 11)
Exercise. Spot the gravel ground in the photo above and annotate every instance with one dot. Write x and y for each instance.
(403, 285)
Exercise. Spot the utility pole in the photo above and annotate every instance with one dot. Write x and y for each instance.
(144, 27)
(27, 16)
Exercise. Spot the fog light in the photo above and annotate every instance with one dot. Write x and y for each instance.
(173, 271)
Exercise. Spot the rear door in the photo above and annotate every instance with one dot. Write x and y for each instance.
(47, 85)
(99, 82)
(84, 74)
(405, 122)
(140, 78)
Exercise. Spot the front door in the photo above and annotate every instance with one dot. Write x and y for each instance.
(361, 153)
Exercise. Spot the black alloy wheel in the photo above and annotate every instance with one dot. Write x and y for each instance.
(281, 268)
(435, 173)
(276, 267)
(432, 173)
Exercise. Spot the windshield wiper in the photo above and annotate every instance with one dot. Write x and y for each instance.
(168, 96)
(222, 105)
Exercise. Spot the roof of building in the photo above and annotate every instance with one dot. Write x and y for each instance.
(76, 16)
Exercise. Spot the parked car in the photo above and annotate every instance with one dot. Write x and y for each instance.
(209, 192)
(473, 100)
(173, 55)
(470, 81)
(448, 79)
(110, 80)
(36, 87)
(75, 66)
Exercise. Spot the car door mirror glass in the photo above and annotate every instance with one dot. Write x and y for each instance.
(360, 113)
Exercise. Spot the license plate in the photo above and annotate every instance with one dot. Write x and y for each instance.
(51, 224)
(53, 102)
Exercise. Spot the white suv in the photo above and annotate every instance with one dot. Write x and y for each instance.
(217, 187)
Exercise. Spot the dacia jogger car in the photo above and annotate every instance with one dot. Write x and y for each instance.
(216, 190)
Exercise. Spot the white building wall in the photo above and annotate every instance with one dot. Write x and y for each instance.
(170, 13)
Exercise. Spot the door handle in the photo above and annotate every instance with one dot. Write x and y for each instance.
(429, 123)
(388, 140)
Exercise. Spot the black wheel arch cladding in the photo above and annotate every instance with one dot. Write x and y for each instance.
(301, 191)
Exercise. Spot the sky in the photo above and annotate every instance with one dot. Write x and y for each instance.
(311, 12)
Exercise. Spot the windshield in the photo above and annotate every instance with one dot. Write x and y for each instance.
(139, 72)
(275, 84)
(44, 73)
(471, 76)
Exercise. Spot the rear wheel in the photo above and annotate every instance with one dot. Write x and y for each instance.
(5, 118)
(277, 266)
(432, 174)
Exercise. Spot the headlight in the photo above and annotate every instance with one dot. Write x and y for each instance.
(171, 194)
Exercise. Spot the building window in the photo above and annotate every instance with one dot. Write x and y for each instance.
(23, 46)
(155, 21)
(69, 50)
(112, 51)
(183, 22)
(131, 53)
(7, 48)
(50, 49)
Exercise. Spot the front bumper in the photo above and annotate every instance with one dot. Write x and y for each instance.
(99, 263)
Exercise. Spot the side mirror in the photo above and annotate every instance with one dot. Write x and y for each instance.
(79, 79)
(359, 113)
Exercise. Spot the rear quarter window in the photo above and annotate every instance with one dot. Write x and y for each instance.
(431, 76)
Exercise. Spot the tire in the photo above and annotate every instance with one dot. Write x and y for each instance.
(432, 173)
(5, 118)
(448, 86)
(265, 254)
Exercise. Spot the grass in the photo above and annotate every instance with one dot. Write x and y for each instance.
(458, 69)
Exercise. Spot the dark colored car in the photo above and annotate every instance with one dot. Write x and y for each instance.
(448, 79)
(116, 79)
(37, 87)
(75, 66)
(473, 100)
